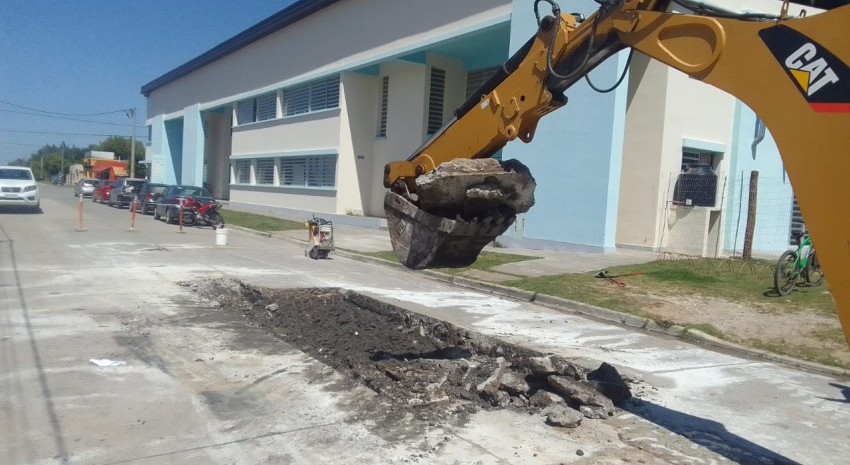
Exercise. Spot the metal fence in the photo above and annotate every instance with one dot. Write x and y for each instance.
(720, 216)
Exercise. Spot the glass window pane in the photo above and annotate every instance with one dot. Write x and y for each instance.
(296, 100)
(293, 171)
(318, 95)
(245, 112)
(267, 107)
(265, 171)
(242, 171)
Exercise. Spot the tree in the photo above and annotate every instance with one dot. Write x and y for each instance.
(54, 159)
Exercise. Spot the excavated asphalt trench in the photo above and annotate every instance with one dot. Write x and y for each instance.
(420, 366)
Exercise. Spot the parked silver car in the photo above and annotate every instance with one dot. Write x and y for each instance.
(85, 187)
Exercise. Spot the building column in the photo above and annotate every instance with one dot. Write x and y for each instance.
(159, 153)
(192, 172)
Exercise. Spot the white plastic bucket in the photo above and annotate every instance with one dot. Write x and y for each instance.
(221, 236)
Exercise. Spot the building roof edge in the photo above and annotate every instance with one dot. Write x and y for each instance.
(291, 14)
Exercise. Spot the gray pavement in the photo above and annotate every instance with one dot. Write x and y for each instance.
(201, 386)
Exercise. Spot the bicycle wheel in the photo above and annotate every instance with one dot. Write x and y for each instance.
(785, 274)
(814, 273)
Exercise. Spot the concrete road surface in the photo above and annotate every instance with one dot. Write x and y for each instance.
(193, 383)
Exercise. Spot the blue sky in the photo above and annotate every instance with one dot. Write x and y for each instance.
(83, 58)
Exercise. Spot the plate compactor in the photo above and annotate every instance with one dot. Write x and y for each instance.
(321, 238)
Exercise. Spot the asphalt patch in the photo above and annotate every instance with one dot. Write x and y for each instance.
(417, 365)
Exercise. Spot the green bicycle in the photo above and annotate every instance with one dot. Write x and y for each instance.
(795, 264)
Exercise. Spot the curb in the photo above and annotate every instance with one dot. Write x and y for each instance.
(566, 305)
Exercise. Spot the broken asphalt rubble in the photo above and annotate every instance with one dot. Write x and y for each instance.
(419, 363)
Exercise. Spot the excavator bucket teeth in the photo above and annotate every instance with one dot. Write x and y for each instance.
(422, 240)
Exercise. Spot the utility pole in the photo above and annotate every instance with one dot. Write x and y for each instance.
(131, 113)
(62, 169)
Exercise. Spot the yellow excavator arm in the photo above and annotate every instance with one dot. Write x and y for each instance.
(792, 72)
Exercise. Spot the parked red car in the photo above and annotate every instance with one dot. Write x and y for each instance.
(102, 190)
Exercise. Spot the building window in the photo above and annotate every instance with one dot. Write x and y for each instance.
(242, 172)
(265, 171)
(436, 97)
(293, 171)
(245, 112)
(319, 171)
(692, 159)
(266, 107)
(697, 183)
(308, 171)
(382, 117)
(477, 78)
(260, 108)
(321, 94)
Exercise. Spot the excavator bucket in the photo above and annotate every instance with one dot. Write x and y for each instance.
(463, 206)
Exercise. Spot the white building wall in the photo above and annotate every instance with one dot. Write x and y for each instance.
(307, 132)
(669, 111)
(640, 212)
(356, 168)
(340, 37)
(405, 120)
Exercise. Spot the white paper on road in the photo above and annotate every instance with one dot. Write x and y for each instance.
(105, 362)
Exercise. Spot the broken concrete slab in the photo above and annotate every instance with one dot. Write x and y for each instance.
(583, 394)
(561, 415)
(548, 365)
(514, 384)
(472, 188)
(543, 398)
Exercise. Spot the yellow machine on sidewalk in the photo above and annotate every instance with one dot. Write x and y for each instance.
(321, 238)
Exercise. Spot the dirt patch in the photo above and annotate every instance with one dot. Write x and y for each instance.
(796, 333)
(418, 365)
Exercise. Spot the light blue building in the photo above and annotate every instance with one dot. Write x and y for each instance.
(301, 112)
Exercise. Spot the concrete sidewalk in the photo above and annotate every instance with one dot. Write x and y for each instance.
(361, 234)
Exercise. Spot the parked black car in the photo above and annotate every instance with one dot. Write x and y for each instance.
(168, 205)
(124, 191)
(148, 195)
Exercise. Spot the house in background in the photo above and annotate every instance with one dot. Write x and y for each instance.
(301, 112)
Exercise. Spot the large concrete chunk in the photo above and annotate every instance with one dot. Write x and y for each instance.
(468, 189)
(463, 205)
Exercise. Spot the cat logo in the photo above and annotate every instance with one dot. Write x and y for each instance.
(810, 71)
(823, 79)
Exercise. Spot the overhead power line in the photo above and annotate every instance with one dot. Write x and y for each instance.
(63, 114)
(62, 133)
(66, 118)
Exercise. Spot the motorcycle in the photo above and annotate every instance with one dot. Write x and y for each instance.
(202, 214)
